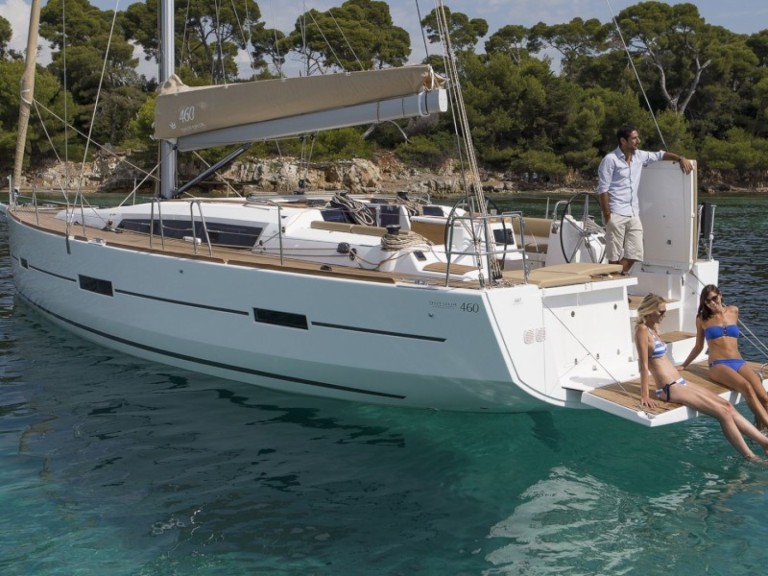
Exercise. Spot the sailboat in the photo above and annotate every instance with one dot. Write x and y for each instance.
(365, 298)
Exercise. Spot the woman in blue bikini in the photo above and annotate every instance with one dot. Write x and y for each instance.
(670, 387)
(718, 324)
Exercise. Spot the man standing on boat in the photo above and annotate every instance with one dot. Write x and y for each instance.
(617, 186)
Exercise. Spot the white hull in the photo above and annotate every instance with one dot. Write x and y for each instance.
(343, 316)
(392, 301)
(327, 325)
(200, 316)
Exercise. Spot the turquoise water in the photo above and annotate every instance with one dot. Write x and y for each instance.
(116, 466)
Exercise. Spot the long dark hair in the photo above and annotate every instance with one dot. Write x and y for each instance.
(704, 312)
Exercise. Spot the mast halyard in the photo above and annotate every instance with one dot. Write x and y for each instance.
(27, 94)
(167, 150)
(473, 186)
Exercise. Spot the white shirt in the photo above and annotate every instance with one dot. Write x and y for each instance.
(621, 180)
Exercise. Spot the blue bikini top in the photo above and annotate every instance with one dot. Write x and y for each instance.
(714, 332)
(659, 347)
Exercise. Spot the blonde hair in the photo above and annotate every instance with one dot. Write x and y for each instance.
(648, 306)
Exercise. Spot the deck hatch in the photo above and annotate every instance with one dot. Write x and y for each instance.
(220, 234)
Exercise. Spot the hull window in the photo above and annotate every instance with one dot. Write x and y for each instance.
(280, 318)
(96, 285)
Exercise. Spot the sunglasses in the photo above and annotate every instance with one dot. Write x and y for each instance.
(713, 298)
(662, 312)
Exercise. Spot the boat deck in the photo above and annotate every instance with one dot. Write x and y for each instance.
(627, 394)
(45, 219)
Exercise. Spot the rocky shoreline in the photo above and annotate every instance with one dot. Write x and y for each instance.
(385, 173)
(287, 175)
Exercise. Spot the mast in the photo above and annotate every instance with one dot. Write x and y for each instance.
(167, 66)
(27, 92)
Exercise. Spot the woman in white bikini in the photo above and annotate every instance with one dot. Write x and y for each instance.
(718, 324)
(670, 387)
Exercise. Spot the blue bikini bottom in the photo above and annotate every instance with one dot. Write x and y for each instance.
(733, 363)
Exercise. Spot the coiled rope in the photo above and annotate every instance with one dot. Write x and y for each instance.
(402, 240)
(359, 211)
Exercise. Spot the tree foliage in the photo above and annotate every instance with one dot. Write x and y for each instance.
(211, 36)
(544, 100)
(359, 35)
(6, 32)
(464, 32)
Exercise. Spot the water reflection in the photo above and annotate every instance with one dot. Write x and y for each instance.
(574, 523)
(129, 467)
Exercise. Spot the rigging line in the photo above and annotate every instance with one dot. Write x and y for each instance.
(98, 91)
(184, 42)
(58, 158)
(302, 24)
(66, 90)
(79, 133)
(475, 187)
(750, 337)
(589, 353)
(338, 61)
(753, 339)
(442, 30)
(216, 174)
(463, 122)
(136, 187)
(423, 35)
(346, 41)
(278, 67)
(246, 40)
(637, 75)
(306, 156)
(62, 189)
(219, 41)
(453, 108)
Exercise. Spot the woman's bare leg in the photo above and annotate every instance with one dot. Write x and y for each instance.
(747, 428)
(719, 408)
(735, 381)
(754, 380)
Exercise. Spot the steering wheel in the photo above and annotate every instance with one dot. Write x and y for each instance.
(584, 226)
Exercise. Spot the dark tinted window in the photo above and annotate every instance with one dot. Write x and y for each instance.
(334, 215)
(95, 285)
(433, 211)
(499, 235)
(220, 234)
(280, 318)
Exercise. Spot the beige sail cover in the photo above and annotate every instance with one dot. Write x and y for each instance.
(181, 110)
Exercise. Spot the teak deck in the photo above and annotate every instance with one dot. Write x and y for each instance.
(44, 219)
(627, 394)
